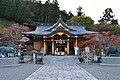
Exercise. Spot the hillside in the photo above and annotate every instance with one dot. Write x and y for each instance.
(10, 31)
(5, 23)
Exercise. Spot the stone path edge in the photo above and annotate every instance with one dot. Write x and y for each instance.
(28, 78)
(115, 65)
(94, 78)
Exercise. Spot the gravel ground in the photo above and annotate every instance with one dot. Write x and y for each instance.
(18, 72)
(102, 72)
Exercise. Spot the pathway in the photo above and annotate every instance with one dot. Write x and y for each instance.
(61, 68)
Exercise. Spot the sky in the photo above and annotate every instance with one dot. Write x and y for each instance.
(92, 8)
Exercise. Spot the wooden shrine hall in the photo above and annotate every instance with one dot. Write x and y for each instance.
(59, 38)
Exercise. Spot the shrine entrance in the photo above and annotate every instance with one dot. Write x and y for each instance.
(60, 44)
(61, 47)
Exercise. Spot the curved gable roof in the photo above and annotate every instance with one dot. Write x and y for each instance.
(60, 23)
(60, 26)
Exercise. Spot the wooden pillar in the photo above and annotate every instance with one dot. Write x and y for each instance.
(34, 41)
(67, 47)
(44, 46)
(76, 43)
(53, 47)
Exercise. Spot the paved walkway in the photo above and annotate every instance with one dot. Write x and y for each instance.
(61, 68)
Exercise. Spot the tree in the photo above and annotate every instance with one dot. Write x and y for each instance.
(55, 2)
(103, 37)
(47, 2)
(114, 29)
(108, 17)
(13, 33)
(8, 9)
(31, 11)
(85, 20)
(15, 10)
(23, 12)
(70, 14)
(64, 15)
(79, 11)
(81, 18)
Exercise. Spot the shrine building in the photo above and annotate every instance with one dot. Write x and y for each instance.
(59, 38)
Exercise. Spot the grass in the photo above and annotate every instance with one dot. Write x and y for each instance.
(5, 23)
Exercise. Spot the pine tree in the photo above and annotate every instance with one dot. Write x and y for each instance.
(108, 17)
(79, 11)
